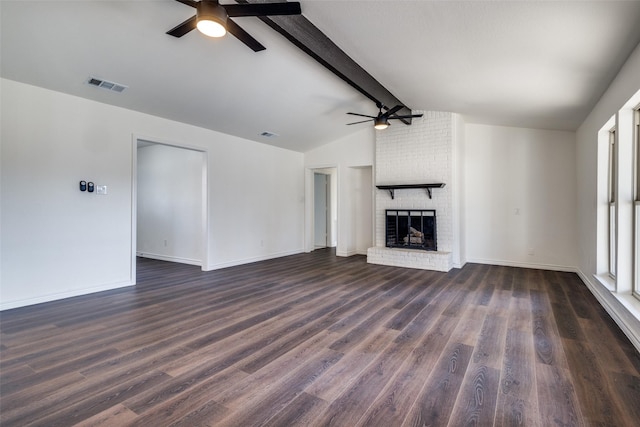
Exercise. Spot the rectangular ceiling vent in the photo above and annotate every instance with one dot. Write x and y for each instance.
(104, 84)
(269, 134)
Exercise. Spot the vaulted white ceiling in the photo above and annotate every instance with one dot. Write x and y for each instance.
(539, 64)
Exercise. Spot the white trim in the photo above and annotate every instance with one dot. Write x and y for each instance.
(62, 295)
(169, 258)
(623, 309)
(252, 259)
(460, 264)
(309, 200)
(349, 253)
(607, 281)
(537, 266)
(134, 209)
(135, 138)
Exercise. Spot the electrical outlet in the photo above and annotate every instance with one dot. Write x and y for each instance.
(101, 189)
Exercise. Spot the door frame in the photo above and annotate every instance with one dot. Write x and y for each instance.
(327, 210)
(309, 235)
(204, 223)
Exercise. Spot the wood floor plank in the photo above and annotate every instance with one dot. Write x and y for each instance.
(268, 404)
(434, 404)
(609, 356)
(237, 394)
(520, 314)
(627, 395)
(199, 403)
(517, 403)
(57, 412)
(398, 397)
(485, 287)
(476, 401)
(302, 411)
(25, 396)
(314, 339)
(598, 406)
(469, 325)
(489, 349)
(548, 345)
(557, 400)
(349, 407)
(114, 416)
(343, 374)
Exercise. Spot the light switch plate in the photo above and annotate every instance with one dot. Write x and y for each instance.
(101, 189)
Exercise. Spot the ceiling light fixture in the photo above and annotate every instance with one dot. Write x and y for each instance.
(381, 123)
(211, 19)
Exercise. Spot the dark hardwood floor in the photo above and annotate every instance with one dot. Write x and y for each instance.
(315, 340)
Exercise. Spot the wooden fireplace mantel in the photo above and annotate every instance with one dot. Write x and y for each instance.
(393, 187)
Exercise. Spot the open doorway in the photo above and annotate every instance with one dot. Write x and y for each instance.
(170, 200)
(325, 208)
(321, 210)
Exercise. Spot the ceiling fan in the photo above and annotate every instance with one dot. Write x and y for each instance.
(381, 121)
(213, 18)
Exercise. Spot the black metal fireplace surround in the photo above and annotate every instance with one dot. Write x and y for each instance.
(411, 229)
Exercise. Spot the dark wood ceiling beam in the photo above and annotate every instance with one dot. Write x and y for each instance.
(306, 36)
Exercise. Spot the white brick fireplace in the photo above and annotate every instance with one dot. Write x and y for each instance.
(422, 153)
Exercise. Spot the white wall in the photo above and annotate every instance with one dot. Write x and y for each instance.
(355, 150)
(520, 197)
(58, 242)
(623, 308)
(169, 203)
(361, 225)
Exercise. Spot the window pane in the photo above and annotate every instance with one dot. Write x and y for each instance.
(612, 165)
(613, 171)
(612, 240)
(636, 266)
(637, 148)
(636, 211)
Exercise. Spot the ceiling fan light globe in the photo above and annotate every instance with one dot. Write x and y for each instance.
(211, 18)
(381, 123)
(211, 28)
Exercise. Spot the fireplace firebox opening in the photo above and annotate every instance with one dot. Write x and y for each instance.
(411, 229)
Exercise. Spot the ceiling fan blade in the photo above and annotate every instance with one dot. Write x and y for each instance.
(393, 110)
(262, 9)
(191, 3)
(362, 115)
(243, 36)
(408, 116)
(355, 123)
(184, 28)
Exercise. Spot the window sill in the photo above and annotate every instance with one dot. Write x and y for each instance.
(628, 301)
(631, 303)
(606, 281)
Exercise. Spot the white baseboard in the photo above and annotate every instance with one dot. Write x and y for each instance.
(347, 253)
(459, 264)
(169, 258)
(243, 261)
(623, 309)
(7, 305)
(535, 266)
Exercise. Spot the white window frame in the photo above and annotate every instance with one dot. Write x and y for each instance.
(612, 217)
(636, 203)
